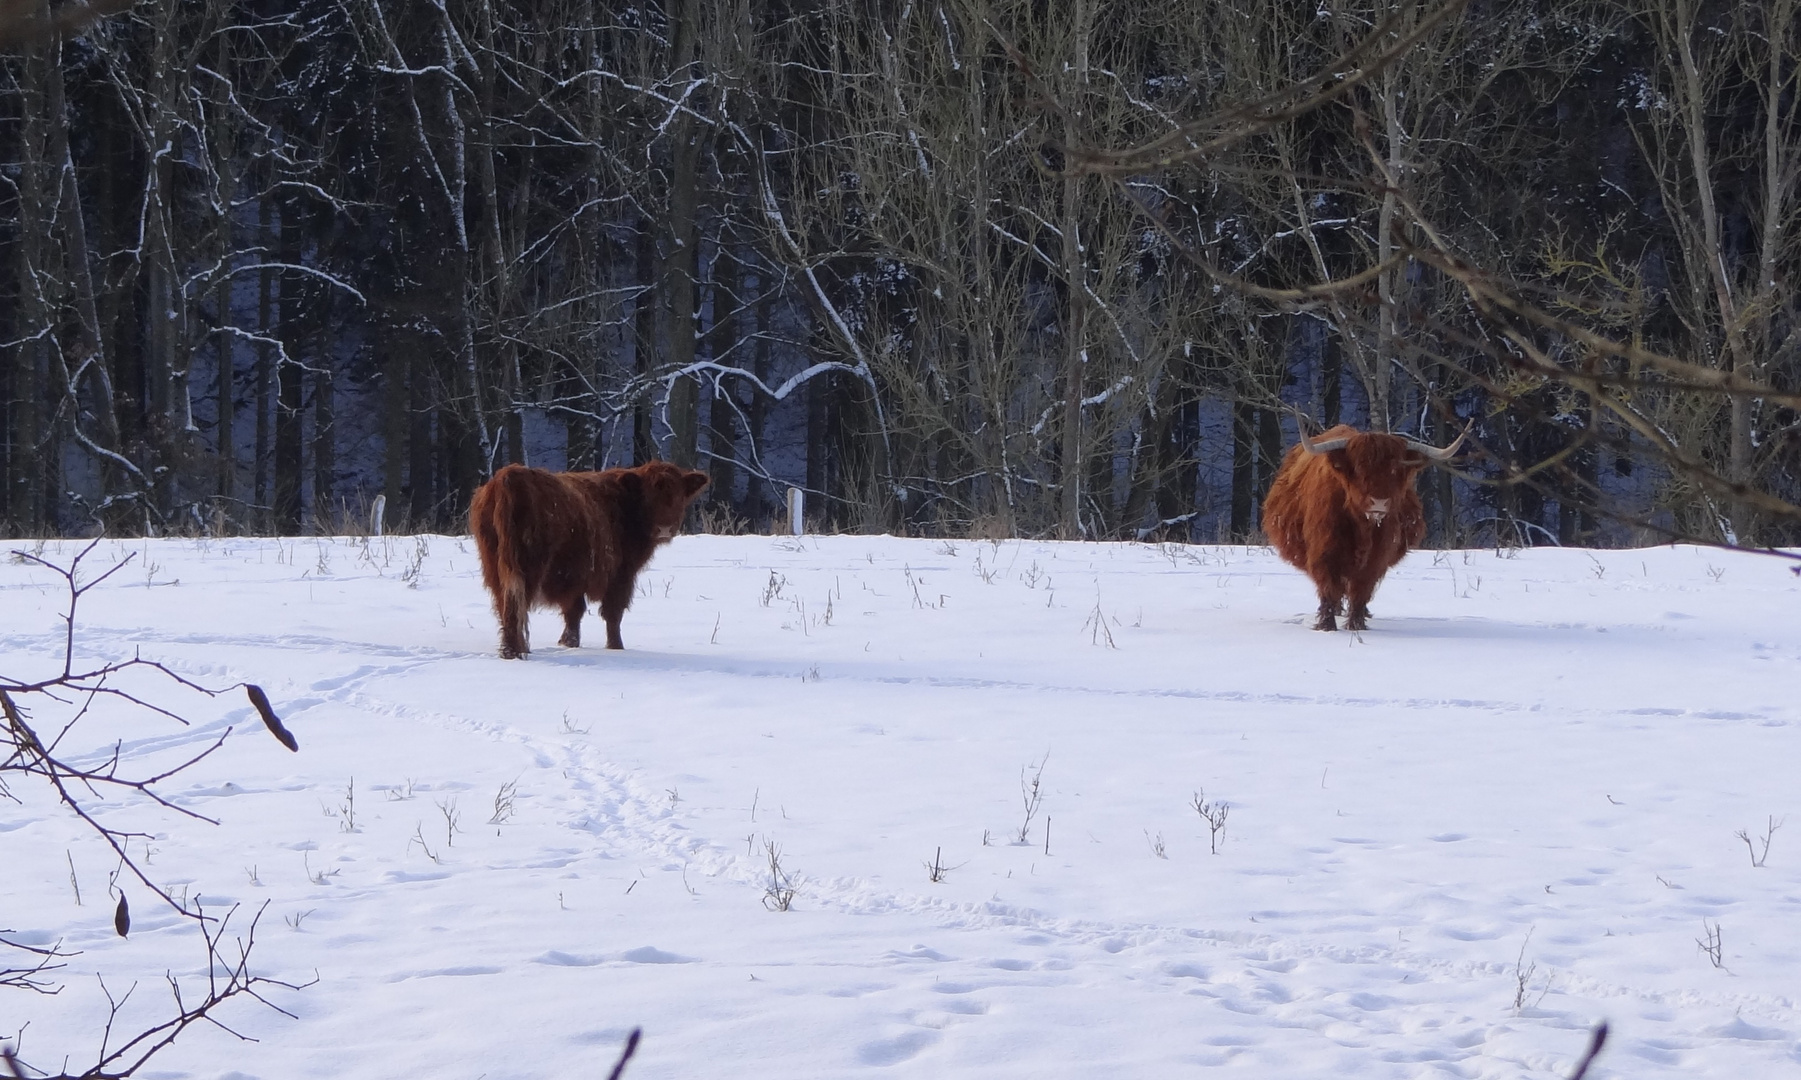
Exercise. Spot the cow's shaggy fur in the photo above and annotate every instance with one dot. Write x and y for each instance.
(557, 540)
(1346, 516)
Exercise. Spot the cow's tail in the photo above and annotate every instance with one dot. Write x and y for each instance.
(499, 519)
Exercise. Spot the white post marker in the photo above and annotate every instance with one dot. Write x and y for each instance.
(796, 505)
(376, 513)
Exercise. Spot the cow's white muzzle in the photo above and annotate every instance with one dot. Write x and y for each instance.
(1378, 510)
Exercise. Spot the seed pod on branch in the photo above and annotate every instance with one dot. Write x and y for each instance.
(270, 720)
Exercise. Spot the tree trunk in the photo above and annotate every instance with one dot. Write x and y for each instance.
(288, 449)
(224, 379)
(1388, 285)
(167, 355)
(88, 351)
(681, 257)
(1244, 470)
(722, 414)
(266, 404)
(1269, 456)
(289, 395)
(23, 510)
(1075, 280)
(423, 443)
(644, 348)
(754, 504)
(503, 349)
(1693, 91)
(819, 443)
(325, 458)
(1331, 379)
(1781, 173)
(1441, 509)
(395, 390)
(224, 353)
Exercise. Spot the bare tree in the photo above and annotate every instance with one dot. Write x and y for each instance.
(953, 265)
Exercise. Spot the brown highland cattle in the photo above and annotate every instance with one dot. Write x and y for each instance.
(550, 539)
(1343, 510)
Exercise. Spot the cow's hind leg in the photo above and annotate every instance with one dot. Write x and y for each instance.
(515, 630)
(612, 608)
(572, 622)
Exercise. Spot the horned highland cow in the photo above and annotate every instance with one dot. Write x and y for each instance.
(558, 540)
(1343, 510)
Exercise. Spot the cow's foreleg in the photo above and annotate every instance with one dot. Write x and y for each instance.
(1360, 606)
(1331, 603)
(572, 623)
(1328, 614)
(612, 609)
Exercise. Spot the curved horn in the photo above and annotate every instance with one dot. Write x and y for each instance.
(1324, 446)
(1433, 452)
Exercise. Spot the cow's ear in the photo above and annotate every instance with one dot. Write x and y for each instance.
(693, 482)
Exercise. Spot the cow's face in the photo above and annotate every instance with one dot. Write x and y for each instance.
(1377, 471)
(667, 490)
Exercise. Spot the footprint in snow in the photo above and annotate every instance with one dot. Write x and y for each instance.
(1739, 1029)
(441, 972)
(884, 1052)
(917, 952)
(965, 1007)
(647, 954)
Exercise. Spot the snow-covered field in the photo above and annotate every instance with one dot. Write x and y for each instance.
(1534, 765)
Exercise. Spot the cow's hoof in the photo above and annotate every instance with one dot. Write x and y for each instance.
(1326, 622)
(568, 642)
(511, 654)
(1359, 620)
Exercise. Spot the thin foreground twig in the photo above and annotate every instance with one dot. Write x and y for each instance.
(1598, 1040)
(631, 1047)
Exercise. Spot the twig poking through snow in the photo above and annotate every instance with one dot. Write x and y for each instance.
(1098, 620)
(1757, 858)
(503, 803)
(1214, 814)
(1522, 974)
(1031, 793)
(779, 894)
(1712, 945)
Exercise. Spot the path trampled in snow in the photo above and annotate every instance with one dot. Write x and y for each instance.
(1534, 764)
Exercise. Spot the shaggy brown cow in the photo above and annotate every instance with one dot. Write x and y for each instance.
(1342, 509)
(551, 539)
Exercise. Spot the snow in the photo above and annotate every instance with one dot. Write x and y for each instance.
(1535, 763)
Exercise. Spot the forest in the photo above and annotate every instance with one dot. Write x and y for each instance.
(1045, 268)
